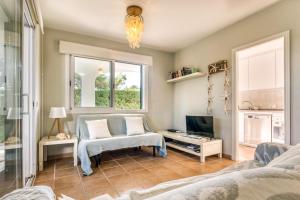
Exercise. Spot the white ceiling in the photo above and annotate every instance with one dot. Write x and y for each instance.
(169, 24)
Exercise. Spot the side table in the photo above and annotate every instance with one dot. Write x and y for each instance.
(45, 141)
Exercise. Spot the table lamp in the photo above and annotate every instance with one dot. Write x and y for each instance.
(57, 113)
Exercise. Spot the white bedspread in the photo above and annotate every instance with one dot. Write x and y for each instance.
(31, 193)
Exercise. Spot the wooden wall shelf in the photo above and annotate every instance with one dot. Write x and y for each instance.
(186, 77)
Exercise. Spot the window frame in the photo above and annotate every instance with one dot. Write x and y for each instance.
(112, 108)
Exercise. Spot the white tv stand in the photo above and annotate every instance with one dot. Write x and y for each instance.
(208, 146)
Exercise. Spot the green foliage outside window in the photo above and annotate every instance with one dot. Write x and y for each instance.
(125, 98)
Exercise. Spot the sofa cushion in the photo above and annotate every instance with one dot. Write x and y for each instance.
(288, 160)
(134, 125)
(98, 129)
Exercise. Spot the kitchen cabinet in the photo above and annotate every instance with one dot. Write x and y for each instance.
(262, 69)
(243, 74)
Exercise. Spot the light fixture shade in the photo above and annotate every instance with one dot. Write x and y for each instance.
(134, 25)
(57, 112)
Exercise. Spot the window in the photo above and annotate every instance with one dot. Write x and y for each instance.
(91, 83)
(104, 85)
(128, 86)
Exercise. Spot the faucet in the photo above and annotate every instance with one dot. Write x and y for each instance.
(251, 105)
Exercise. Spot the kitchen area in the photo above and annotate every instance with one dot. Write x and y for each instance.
(261, 96)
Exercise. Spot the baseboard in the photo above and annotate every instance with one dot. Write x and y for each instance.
(226, 156)
(54, 157)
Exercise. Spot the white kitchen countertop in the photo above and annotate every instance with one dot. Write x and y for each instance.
(262, 111)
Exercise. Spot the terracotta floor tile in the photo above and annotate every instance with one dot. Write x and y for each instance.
(163, 171)
(183, 158)
(124, 170)
(142, 158)
(144, 178)
(64, 165)
(125, 160)
(113, 171)
(182, 170)
(96, 182)
(119, 180)
(133, 166)
(66, 172)
(141, 173)
(164, 174)
(148, 164)
(108, 164)
(66, 181)
(169, 177)
(166, 162)
(123, 183)
(45, 176)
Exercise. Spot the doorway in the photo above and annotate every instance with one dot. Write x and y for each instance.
(261, 95)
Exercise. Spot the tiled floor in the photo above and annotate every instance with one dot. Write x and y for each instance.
(246, 153)
(122, 171)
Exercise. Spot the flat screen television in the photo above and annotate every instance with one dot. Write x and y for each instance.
(200, 125)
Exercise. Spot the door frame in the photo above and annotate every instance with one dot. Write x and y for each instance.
(29, 138)
(235, 96)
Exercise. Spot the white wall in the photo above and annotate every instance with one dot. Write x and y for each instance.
(191, 96)
(160, 95)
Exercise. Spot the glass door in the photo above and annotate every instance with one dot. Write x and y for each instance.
(10, 95)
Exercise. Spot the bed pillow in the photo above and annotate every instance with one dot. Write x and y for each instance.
(288, 160)
(98, 129)
(134, 125)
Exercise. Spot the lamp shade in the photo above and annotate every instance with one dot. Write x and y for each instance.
(57, 112)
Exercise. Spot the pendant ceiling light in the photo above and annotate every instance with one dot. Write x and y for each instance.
(134, 25)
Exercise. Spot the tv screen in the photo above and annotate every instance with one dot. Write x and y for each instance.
(200, 125)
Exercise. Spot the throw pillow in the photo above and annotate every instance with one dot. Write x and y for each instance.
(134, 125)
(98, 129)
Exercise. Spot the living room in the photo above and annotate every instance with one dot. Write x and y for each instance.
(167, 92)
